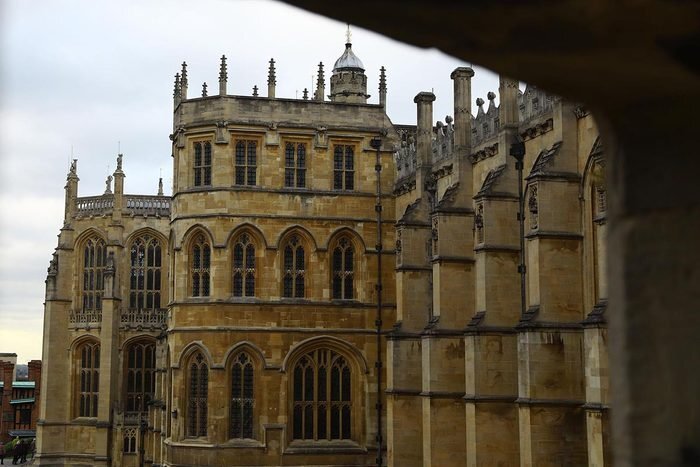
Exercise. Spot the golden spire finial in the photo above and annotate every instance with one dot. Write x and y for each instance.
(348, 35)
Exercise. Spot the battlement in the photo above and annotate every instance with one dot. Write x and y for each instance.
(485, 126)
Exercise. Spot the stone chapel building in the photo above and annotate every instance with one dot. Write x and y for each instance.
(234, 322)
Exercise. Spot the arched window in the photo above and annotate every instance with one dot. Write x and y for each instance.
(94, 259)
(294, 271)
(140, 378)
(202, 163)
(343, 167)
(343, 270)
(201, 258)
(322, 390)
(244, 267)
(197, 396)
(145, 276)
(89, 379)
(129, 435)
(242, 397)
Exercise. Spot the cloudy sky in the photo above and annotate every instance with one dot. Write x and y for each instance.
(84, 78)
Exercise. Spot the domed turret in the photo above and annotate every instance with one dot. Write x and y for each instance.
(348, 61)
(349, 82)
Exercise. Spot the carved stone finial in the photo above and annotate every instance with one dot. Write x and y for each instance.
(382, 79)
(255, 91)
(160, 186)
(491, 95)
(204, 89)
(306, 94)
(223, 72)
(74, 167)
(177, 88)
(348, 35)
(183, 75)
(108, 187)
(119, 161)
(271, 77)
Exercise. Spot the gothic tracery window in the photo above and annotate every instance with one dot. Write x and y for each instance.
(199, 270)
(244, 267)
(242, 397)
(145, 277)
(295, 165)
(140, 378)
(294, 272)
(343, 270)
(246, 162)
(94, 261)
(202, 163)
(197, 396)
(343, 168)
(322, 389)
(88, 379)
(129, 436)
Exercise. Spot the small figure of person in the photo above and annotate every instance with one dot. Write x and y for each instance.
(16, 452)
(23, 452)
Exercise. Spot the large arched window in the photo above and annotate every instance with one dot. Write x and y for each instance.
(343, 270)
(294, 272)
(88, 366)
(145, 275)
(200, 263)
(322, 388)
(197, 396)
(140, 378)
(94, 259)
(243, 267)
(242, 397)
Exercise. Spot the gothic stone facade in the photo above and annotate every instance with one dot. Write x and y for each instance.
(232, 323)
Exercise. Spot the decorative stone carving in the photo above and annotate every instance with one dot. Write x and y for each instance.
(435, 234)
(108, 185)
(485, 153)
(532, 205)
(479, 223)
(222, 136)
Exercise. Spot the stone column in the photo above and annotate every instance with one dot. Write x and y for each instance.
(491, 357)
(424, 138)
(109, 361)
(119, 201)
(71, 193)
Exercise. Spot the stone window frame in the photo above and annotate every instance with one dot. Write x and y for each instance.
(202, 268)
(296, 271)
(130, 440)
(86, 377)
(94, 261)
(251, 361)
(244, 269)
(346, 174)
(299, 366)
(144, 343)
(196, 411)
(343, 244)
(158, 282)
(202, 169)
(291, 172)
(245, 179)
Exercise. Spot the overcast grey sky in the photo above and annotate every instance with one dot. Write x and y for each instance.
(90, 75)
